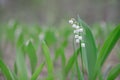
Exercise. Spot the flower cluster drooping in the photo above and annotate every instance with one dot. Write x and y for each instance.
(78, 30)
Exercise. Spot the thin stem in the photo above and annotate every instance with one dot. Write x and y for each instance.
(82, 63)
(76, 63)
(78, 71)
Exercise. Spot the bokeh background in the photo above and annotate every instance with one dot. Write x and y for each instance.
(54, 11)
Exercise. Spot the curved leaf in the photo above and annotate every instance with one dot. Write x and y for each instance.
(114, 72)
(71, 61)
(107, 47)
(89, 52)
(6, 71)
(21, 65)
(37, 72)
(32, 55)
(49, 63)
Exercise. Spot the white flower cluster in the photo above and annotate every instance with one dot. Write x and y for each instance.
(77, 31)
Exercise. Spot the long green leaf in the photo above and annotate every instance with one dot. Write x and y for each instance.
(70, 63)
(79, 72)
(50, 37)
(6, 71)
(37, 72)
(114, 72)
(20, 41)
(32, 55)
(11, 30)
(60, 52)
(89, 52)
(107, 47)
(21, 65)
(49, 63)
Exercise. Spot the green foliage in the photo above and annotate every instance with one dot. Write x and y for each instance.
(37, 72)
(84, 62)
(71, 61)
(89, 53)
(32, 55)
(21, 65)
(107, 47)
(50, 37)
(49, 62)
(6, 71)
(114, 72)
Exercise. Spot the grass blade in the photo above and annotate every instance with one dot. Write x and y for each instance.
(49, 63)
(60, 52)
(89, 53)
(6, 71)
(21, 65)
(50, 37)
(114, 72)
(107, 47)
(20, 41)
(71, 62)
(79, 72)
(32, 55)
(37, 72)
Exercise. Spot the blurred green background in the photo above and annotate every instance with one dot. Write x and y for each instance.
(52, 12)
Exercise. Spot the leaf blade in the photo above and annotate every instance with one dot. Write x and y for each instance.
(106, 49)
(32, 55)
(89, 52)
(37, 71)
(70, 63)
(6, 71)
(48, 59)
(114, 72)
(21, 65)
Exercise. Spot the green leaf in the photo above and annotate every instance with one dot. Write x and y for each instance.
(70, 63)
(15, 68)
(89, 52)
(37, 72)
(60, 52)
(49, 63)
(20, 41)
(79, 72)
(21, 65)
(114, 72)
(11, 30)
(6, 71)
(32, 55)
(50, 37)
(107, 47)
